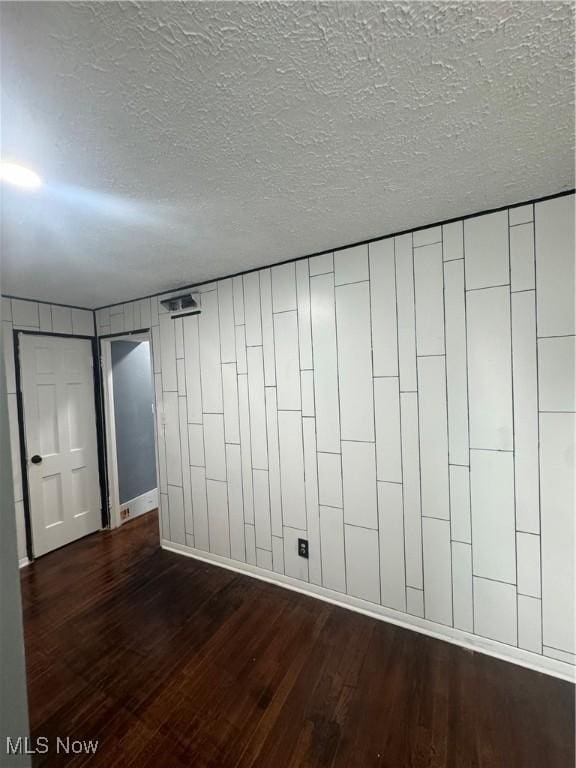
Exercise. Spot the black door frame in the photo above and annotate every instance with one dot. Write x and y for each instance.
(99, 416)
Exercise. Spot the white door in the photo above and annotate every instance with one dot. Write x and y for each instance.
(60, 431)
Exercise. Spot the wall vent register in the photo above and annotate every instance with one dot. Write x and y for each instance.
(183, 304)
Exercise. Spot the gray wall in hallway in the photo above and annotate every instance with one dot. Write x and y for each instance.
(134, 417)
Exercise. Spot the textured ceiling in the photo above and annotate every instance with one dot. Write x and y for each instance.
(181, 142)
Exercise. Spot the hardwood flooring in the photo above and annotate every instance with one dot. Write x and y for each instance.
(170, 662)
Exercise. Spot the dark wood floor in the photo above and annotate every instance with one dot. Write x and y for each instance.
(170, 662)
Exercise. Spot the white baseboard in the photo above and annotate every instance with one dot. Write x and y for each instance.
(139, 505)
(23, 562)
(466, 640)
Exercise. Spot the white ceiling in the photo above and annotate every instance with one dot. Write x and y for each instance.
(182, 142)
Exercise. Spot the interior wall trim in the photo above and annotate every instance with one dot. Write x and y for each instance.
(120, 335)
(141, 504)
(471, 642)
(376, 239)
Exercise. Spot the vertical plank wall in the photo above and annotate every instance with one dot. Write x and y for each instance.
(407, 406)
(27, 315)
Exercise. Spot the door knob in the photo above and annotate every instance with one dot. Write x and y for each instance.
(36, 459)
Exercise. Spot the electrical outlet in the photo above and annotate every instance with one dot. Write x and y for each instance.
(303, 548)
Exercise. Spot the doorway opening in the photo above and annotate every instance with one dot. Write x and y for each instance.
(130, 426)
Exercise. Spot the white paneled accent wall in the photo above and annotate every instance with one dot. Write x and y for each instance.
(21, 314)
(406, 406)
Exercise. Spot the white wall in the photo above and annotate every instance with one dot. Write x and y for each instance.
(44, 318)
(387, 402)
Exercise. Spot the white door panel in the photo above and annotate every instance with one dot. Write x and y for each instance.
(60, 427)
